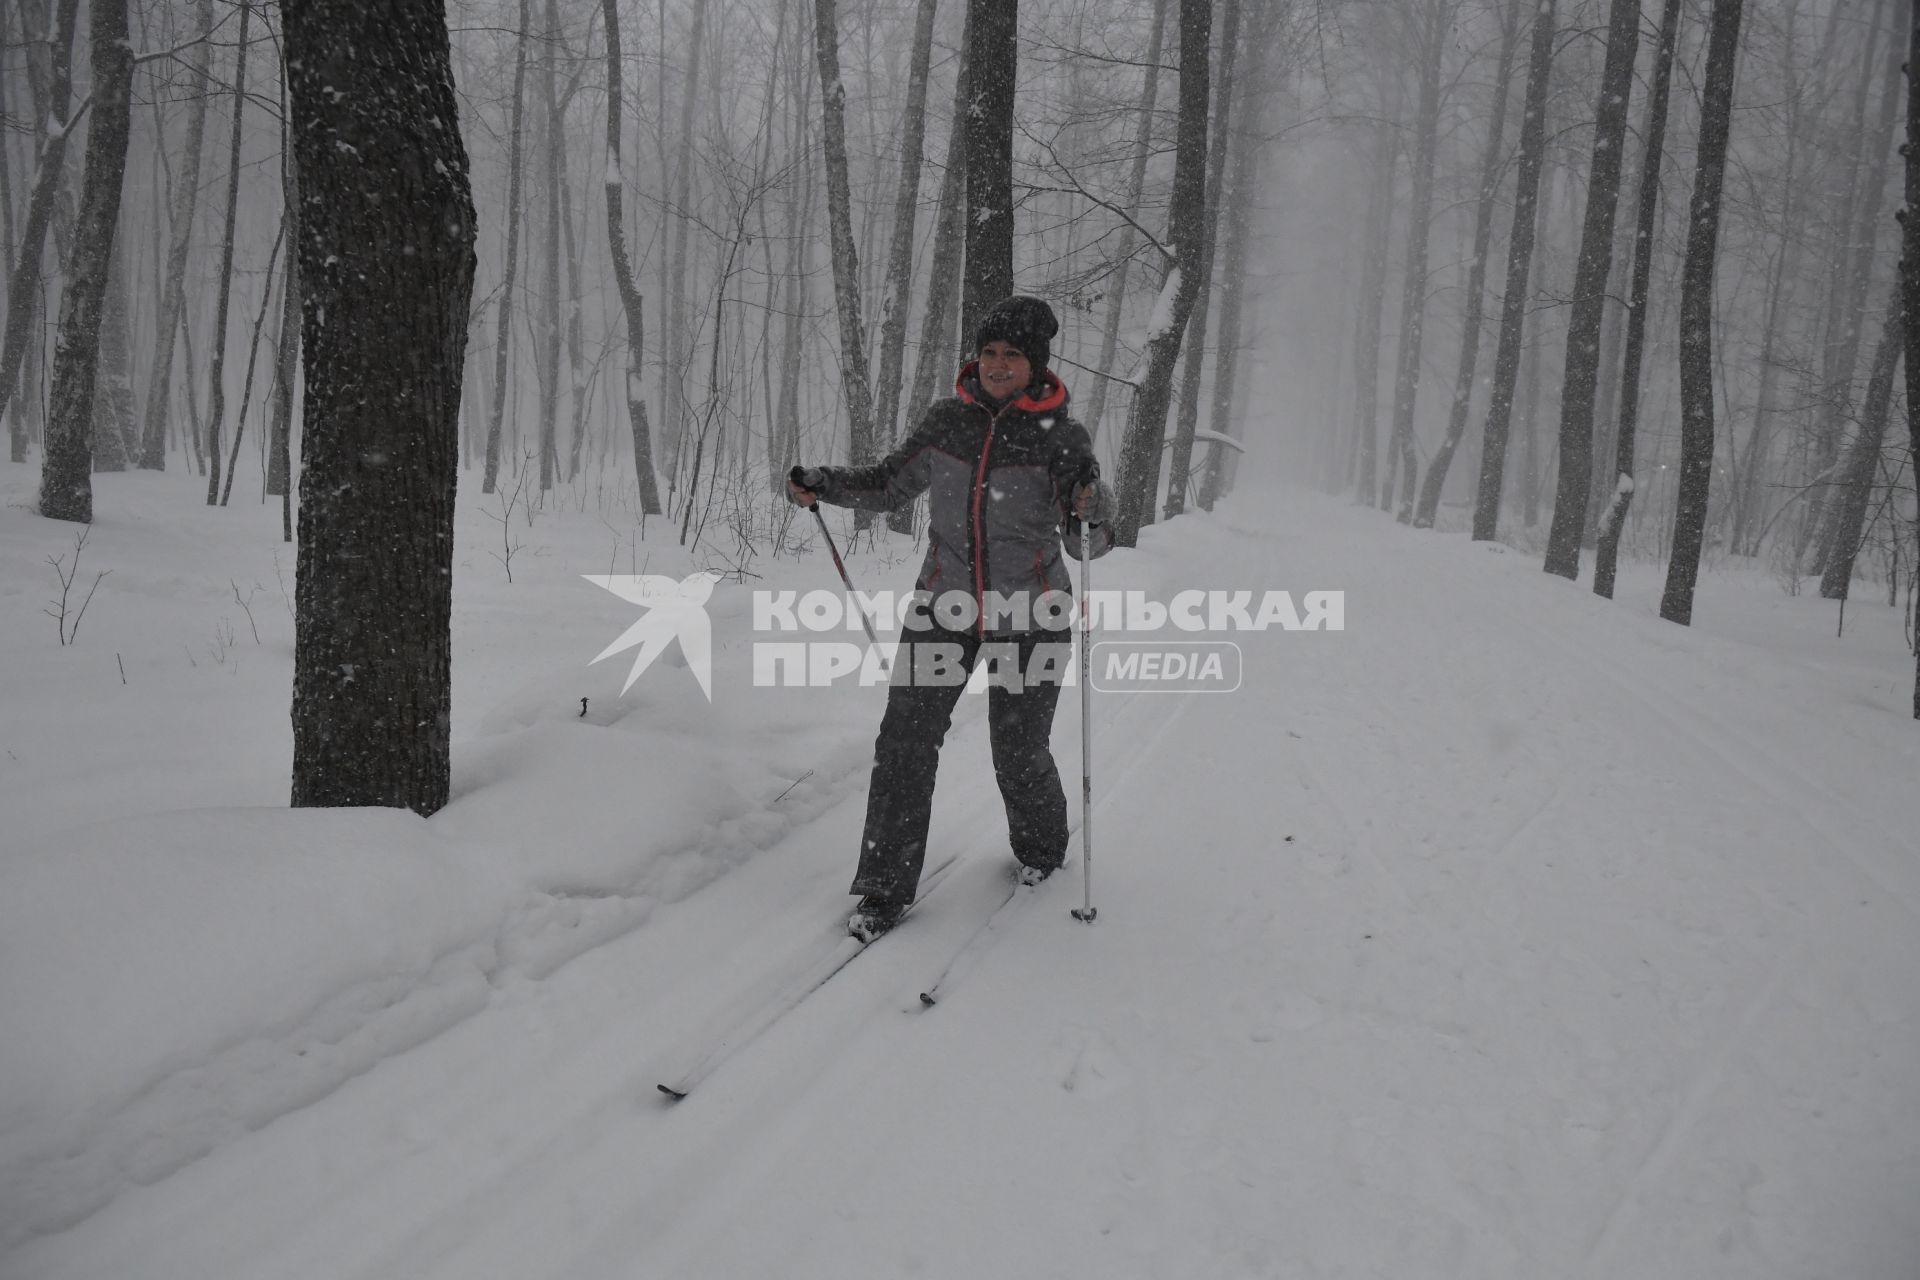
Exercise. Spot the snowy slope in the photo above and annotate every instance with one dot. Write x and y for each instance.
(1504, 933)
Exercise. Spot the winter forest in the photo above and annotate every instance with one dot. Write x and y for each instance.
(358, 334)
(1581, 278)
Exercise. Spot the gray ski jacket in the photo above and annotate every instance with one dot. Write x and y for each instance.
(998, 486)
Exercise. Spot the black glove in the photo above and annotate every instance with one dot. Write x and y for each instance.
(1088, 477)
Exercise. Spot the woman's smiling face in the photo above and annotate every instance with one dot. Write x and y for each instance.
(1004, 371)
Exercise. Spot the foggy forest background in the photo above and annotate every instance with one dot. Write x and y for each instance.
(1585, 277)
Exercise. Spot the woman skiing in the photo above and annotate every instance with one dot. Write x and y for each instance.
(1009, 476)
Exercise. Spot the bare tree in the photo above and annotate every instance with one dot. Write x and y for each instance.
(1146, 432)
(1696, 315)
(1863, 461)
(1513, 307)
(66, 486)
(1491, 167)
(846, 261)
(1909, 300)
(186, 198)
(630, 300)
(217, 379)
(386, 265)
(1590, 292)
(503, 318)
(896, 294)
(1188, 420)
(23, 286)
(1654, 135)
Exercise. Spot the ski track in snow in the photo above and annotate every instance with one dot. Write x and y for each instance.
(1419, 957)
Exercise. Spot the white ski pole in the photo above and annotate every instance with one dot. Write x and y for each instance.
(1086, 913)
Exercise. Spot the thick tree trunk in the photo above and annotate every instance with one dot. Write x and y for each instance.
(992, 51)
(503, 317)
(1491, 167)
(173, 296)
(23, 286)
(846, 262)
(1655, 131)
(1696, 315)
(217, 379)
(630, 300)
(1146, 432)
(1136, 182)
(66, 485)
(1437, 18)
(387, 264)
(1513, 307)
(1590, 293)
(1180, 465)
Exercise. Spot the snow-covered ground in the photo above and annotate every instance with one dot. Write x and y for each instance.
(1504, 933)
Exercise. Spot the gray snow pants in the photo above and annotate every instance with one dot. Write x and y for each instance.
(906, 755)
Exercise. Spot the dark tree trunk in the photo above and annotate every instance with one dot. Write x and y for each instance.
(217, 379)
(1696, 315)
(1513, 307)
(503, 317)
(173, 297)
(386, 266)
(1491, 167)
(23, 286)
(549, 352)
(1180, 465)
(630, 300)
(1146, 432)
(115, 431)
(1590, 293)
(992, 51)
(1614, 522)
(66, 485)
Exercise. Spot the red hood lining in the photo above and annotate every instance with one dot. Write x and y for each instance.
(1053, 396)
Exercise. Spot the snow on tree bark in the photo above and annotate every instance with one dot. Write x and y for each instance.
(1909, 298)
(66, 486)
(386, 267)
(896, 293)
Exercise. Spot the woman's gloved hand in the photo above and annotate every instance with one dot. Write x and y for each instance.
(803, 485)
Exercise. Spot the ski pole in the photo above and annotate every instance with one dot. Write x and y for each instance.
(1086, 913)
(839, 564)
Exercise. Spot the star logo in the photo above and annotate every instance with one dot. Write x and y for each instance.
(676, 610)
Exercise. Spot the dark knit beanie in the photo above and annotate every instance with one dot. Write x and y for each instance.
(1024, 323)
